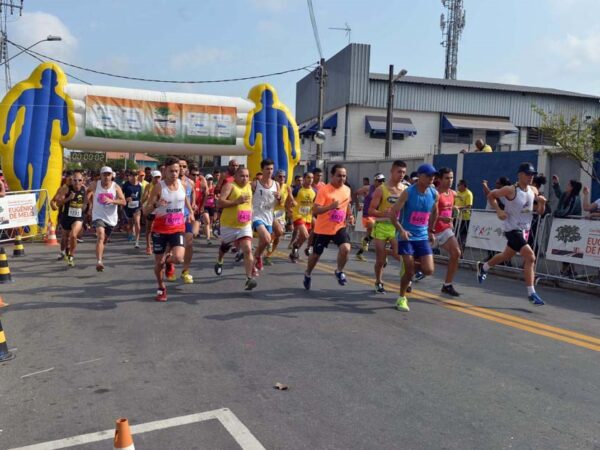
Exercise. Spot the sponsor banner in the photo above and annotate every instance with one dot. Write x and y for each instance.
(141, 120)
(486, 232)
(18, 210)
(575, 241)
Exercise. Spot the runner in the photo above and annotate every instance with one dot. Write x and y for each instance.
(418, 204)
(332, 208)
(317, 179)
(167, 201)
(236, 223)
(190, 194)
(384, 232)
(132, 190)
(72, 203)
(200, 190)
(227, 176)
(105, 196)
(210, 209)
(302, 201)
(265, 195)
(155, 179)
(279, 215)
(516, 220)
(444, 232)
(60, 193)
(367, 192)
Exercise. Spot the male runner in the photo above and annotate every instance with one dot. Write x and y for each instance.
(154, 180)
(236, 222)
(132, 190)
(105, 196)
(516, 220)
(60, 193)
(265, 195)
(367, 192)
(72, 204)
(279, 214)
(167, 202)
(210, 209)
(386, 195)
(419, 207)
(200, 190)
(332, 208)
(189, 219)
(302, 215)
(444, 228)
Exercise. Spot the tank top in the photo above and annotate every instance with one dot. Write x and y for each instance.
(170, 218)
(416, 211)
(445, 208)
(238, 216)
(189, 187)
(74, 208)
(210, 197)
(305, 198)
(519, 210)
(367, 201)
(101, 211)
(263, 203)
(388, 199)
(199, 193)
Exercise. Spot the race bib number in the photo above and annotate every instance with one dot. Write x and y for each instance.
(419, 218)
(244, 216)
(74, 212)
(104, 197)
(174, 219)
(133, 204)
(337, 215)
(305, 210)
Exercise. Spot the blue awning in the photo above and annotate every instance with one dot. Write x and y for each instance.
(329, 123)
(451, 122)
(376, 125)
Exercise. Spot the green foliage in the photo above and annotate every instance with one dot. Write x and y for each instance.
(568, 233)
(117, 164)
(162, 111)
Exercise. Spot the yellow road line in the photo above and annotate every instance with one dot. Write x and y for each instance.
(556, 333)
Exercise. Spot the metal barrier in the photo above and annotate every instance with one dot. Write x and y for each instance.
(42, 199)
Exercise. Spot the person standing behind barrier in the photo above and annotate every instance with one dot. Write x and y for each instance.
(516, 222)
(464, 202)
(2, 185)
(569, 203)
(594, 207)
(482, 147)
(332, 207)
(367, 192)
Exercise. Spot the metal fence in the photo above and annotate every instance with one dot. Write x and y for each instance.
(34, 232)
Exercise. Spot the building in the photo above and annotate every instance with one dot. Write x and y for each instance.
(431, 115)
(141, 160)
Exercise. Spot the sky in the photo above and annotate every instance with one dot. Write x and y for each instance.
(547, 43)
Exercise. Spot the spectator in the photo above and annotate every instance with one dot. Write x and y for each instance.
(593, 207)
(147, 175)
(482, 147)
(569, 203)
(3, 184)
(414, 177)
(463, 202)
(538, 182)
(500, 183)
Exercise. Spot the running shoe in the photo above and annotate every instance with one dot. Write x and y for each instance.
(268, 261)
(341, 278)
(100, 267)
(419, 276)
(70, 261)
(270, 247)
(402, 304)
(219, 268)
(80, 241)
(307, 281)
(536, 300)
(364, 245)
(450, 291)
(360, 256)
(255, 272)
(148, 250)
(239, 257)
(208, 242)
(379, 289)
(481, 273)
(161, 295)
(259, 263)
(61, 257)
(308, 251)
(170, 272)
(250, 284)
(186, 277)
(136, 245)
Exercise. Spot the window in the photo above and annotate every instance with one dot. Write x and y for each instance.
(535, 136)
(461, 136)
(395, 136)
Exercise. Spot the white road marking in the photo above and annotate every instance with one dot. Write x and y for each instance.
(89, 361)
(238, 431)
(37, 373)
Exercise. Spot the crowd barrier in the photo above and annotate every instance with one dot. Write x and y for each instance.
(20, 214)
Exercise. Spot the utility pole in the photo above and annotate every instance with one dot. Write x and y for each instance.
(452, 27)
(389, 120)
(319, 135)
(7, 7)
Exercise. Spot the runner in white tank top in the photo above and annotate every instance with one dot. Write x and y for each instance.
(265, 196)
(516, 220)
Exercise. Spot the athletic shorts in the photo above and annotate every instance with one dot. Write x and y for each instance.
(258, 223)
(189, 227)
(150, 217)
(211, 210)
(516, 239)
(444, 236)
(279, 216)
(384, 231)
(67, 222)
(300, 222)
(415, 248)
(129, 212)
(229, 235)
(366, 221)
(160, 241)
(321, 241)
(99, 223)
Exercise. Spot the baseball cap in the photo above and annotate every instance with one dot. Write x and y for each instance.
(379, 177)
(281, 172)
(141, 172)
(156, 173)
(527, 168)
(106, 169)
(426, 169)
(208, 176)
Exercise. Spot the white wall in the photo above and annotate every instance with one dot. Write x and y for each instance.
(332, 143)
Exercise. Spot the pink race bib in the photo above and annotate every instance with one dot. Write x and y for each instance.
(102, 197)
(337, 215)
(174, 219)
(244, 216)
(419, 218)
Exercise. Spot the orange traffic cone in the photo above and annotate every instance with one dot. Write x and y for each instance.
(51, 235)
(123, 438)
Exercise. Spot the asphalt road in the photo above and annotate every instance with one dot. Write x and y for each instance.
(486, 372)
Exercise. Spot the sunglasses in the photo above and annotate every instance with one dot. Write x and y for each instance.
(194, 174)
(77, 180)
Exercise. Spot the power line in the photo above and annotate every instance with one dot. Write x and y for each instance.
(313, 20)
(151, 80)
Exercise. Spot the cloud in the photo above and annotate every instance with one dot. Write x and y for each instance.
(197, 57)
(579, 52)
(36, 26)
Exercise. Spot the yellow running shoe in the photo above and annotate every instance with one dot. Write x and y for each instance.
(186, 277)
(402, 304)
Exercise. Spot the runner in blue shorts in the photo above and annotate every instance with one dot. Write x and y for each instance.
(419, 206)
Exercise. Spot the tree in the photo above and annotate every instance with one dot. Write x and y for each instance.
(567, 233)
(577, 139)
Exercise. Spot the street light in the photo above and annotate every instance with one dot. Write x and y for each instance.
(390, 108)
(50, 38)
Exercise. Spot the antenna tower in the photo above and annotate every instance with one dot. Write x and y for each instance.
(7, 8)
(452, 24)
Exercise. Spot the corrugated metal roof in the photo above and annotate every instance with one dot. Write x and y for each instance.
(483, 85)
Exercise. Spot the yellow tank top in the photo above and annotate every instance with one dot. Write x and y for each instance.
(387, 201)
(283, 191)
(238, 216)
(305, 198)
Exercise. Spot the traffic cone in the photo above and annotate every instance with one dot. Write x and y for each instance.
(18, 249)
(123, 438)
(51, 235)
(4, 269)
(5, 355)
